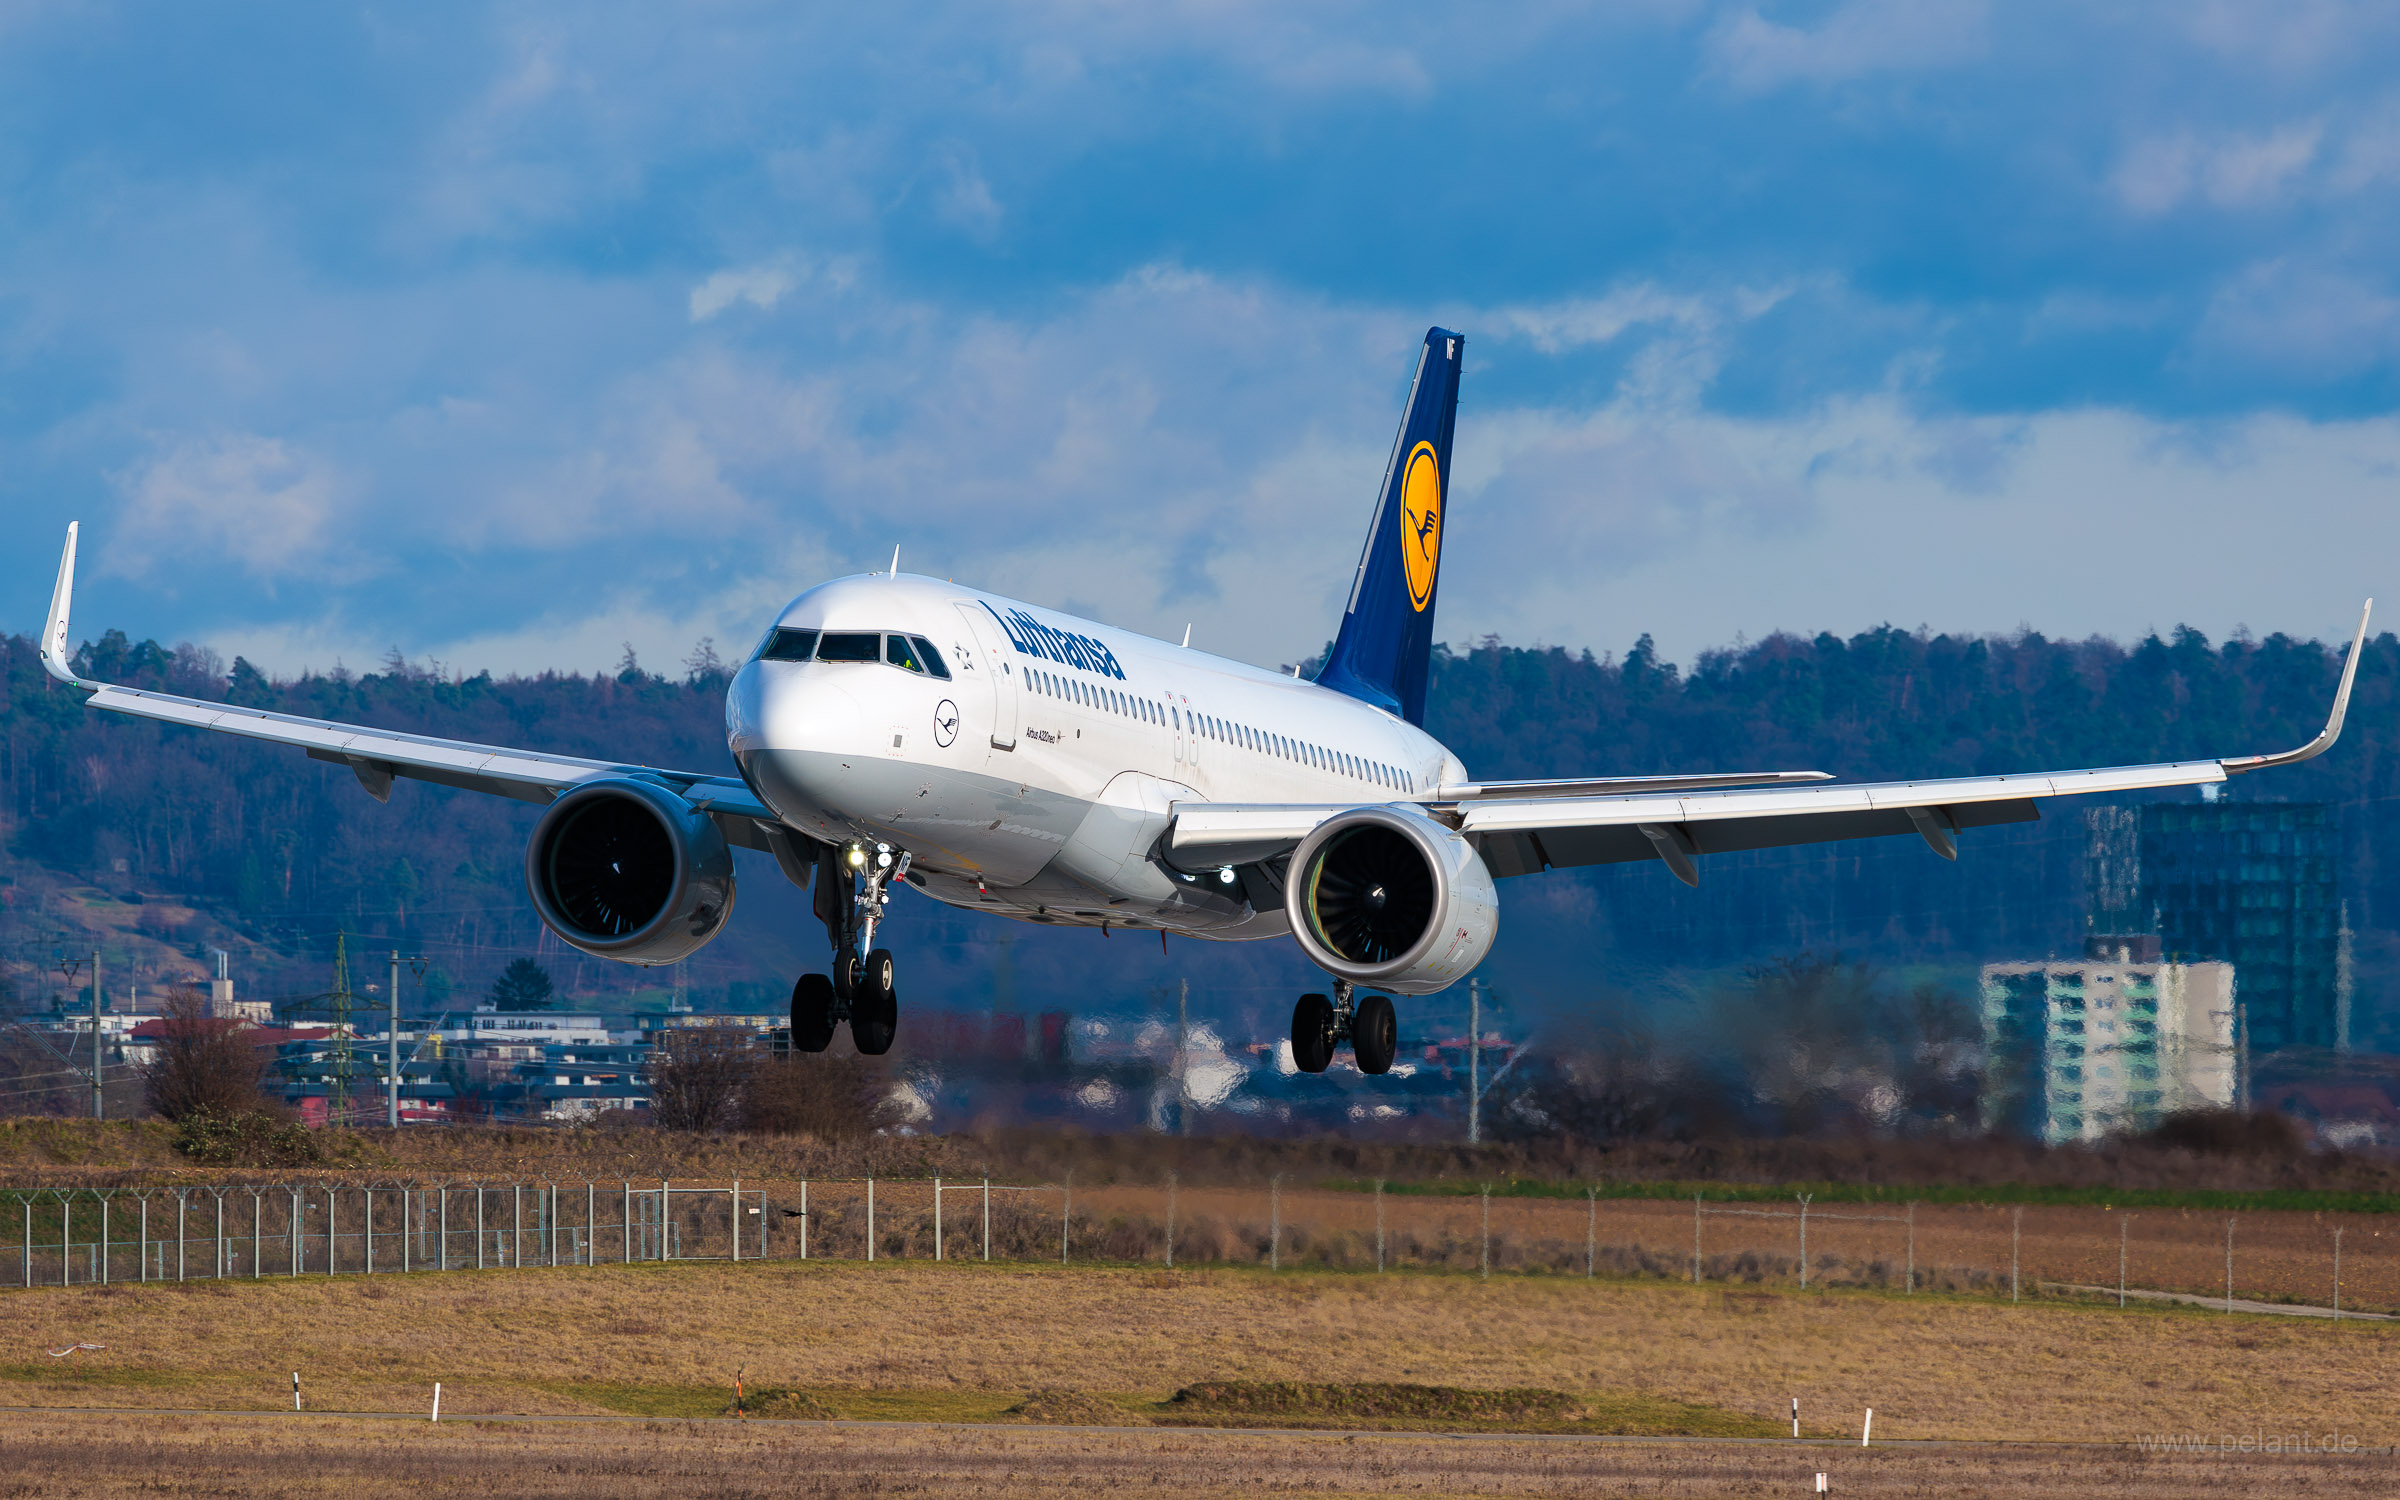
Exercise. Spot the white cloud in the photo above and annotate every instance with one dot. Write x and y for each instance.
(258, 501)
(761, 286)
(2229, 171)
(1858, 39)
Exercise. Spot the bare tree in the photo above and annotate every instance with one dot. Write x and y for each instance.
(205, 1064)
(698, 1075)
(825, 1094)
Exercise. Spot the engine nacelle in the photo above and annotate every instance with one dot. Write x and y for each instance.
(624, 869)
(1392, 900)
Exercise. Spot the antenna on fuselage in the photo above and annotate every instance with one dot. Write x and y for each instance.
(895, 562)
(1187, 632)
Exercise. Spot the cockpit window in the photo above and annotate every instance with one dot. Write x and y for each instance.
(850, 645)
(788, 645)
(900, 653)
(931, 657)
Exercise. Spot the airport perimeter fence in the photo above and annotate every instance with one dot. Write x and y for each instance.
(2346, 1264)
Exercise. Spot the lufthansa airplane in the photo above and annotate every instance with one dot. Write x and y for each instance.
(1003, 757)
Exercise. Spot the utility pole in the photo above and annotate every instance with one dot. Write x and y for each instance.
(1183, 1056)
(391, 1076)
(99, 1111)
(1474, 1062)
(338, 1096)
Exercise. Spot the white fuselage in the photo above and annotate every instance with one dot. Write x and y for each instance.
(1037, 778)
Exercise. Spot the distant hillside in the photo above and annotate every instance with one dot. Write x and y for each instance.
(268, 853)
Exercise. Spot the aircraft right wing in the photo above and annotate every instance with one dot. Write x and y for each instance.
(376, 756)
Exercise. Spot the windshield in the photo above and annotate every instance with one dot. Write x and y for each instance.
(788, 645)
(850, 645)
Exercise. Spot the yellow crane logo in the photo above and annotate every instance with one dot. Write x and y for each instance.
(1421, 523)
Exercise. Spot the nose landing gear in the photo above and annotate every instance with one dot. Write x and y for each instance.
(861, 990)
(1320, 1023)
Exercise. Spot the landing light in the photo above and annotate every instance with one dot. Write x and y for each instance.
(858, 857)
(883, 858)
(1226, 875)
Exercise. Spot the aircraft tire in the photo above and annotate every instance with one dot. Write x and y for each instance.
(875, 1006)
(813, 1020)
(1312, 1033)
(845, 974)
(1374, 1034)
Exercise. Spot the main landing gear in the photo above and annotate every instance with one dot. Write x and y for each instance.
(1319, 1023)
(861, 990)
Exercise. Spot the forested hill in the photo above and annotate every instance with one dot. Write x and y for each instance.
(266, 842)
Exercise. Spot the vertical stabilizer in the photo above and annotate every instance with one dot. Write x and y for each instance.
(1386, 644)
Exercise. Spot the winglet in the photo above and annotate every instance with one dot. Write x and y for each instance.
(54, 633)
(2333, 723)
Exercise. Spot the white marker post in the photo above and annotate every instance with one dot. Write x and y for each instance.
(295, 1390)
(437, 1401)
(1868, 1430)
(1795, 1416)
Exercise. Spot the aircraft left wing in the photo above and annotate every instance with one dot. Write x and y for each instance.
(1521, 834)
(376, 756)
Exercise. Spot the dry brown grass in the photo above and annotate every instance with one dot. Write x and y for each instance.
(913, 1338)
(283, 1459)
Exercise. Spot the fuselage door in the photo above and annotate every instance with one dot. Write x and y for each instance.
(993, 664)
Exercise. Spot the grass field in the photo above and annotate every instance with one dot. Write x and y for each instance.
(276, 1458)
(966, 1342)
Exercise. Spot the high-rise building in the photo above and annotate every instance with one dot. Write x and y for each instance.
(2246, 883)
(2116, 1042)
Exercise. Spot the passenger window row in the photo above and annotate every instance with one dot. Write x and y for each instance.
(1109, 700)
(910, 653)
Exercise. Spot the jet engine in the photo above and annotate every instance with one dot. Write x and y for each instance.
(1391, 900)
(625, 869)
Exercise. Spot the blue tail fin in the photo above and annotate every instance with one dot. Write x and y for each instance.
(1386, 644)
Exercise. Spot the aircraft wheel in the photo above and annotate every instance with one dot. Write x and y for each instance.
(812, 1013)
(1374, 1034)
(875, 1006)
(845, 974)
(1312, 1033)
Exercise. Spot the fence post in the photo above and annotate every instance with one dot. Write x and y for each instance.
(1487, 1231)
(1804, 1197)
(1695, 1239)
(1066, 1216)
(804, 1218)
(1379, 1225)
(179, 1218)
(2229, 1263)
(625, 1257)
(1275, 1222)
(987, 1218)
(407, 1262)
(366, 1204)
(291, 1227)
(737, 1217)
(66, 1212)
(25, 1266)
(482, 1245)
(937, 1218)
(1912, 1247)
(141, 1242)
(1591, 1233)
(870, 1218)
(552, 1213)
(258, 1233)
(516, 1225)
(2337, 1261)
(1170, 1221)
(591, 1222)
(104, 1197)
(441, 1254)
(2016, 1232)
(2123, 1224)
(333, 1261)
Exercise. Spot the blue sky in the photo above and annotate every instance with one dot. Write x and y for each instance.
(507, 334)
